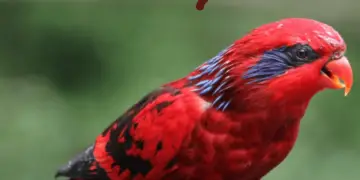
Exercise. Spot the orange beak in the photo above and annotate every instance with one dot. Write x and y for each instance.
(338, 74)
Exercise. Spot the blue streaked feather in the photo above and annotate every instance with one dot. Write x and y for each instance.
(219, 87)
(218, 98)
(220, 105)
(208, 85)
(195, 77)
(226, 104)
(205, 90)
(272, 64)
(202, 82)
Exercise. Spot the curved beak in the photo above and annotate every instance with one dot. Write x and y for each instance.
(339, 72)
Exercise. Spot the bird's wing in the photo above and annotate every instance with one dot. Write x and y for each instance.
(145, 140)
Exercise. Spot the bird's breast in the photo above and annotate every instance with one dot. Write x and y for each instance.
(247, 147)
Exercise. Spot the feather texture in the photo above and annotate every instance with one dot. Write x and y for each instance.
(251, 126)
(212, 78)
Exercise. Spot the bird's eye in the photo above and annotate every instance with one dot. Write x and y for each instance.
(302, 53)
(299, 54)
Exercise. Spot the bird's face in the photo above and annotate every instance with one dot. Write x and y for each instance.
(296, 57)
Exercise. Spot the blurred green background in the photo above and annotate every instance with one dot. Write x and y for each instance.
(68, 69)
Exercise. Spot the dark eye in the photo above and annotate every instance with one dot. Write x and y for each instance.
(300, 54)
(303, 53)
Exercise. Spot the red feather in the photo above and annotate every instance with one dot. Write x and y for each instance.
(214, 124)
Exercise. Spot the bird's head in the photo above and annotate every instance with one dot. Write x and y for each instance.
(288, 60)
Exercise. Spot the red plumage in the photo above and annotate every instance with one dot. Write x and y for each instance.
(235, 117)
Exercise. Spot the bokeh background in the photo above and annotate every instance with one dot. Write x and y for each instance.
(69, 68)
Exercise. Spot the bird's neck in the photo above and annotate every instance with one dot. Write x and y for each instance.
(212, 81)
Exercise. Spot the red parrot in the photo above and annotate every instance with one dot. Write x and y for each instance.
(235, 117)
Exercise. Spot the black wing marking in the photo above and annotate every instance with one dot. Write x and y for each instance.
(117, 150)
(84, 165)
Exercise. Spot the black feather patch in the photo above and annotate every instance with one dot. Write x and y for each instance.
(159, 107)
(82, 166)
(118, 150)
